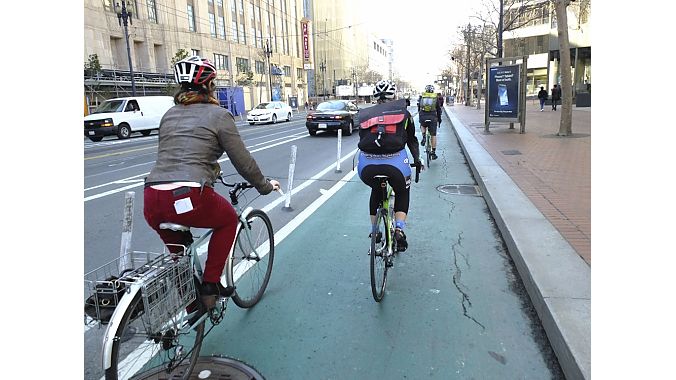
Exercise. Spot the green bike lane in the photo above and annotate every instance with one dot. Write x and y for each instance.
(454, 305)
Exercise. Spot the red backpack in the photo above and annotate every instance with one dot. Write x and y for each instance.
(382, 128)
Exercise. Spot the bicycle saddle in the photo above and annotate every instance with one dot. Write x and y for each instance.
(174, 227)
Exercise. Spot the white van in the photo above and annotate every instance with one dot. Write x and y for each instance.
(124, 116)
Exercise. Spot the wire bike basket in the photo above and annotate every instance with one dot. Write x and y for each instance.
(167, 287)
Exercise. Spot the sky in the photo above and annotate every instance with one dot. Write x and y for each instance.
(422, 35)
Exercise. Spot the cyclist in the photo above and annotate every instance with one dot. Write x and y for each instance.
(386, 154)
(179, 189)
(440, 105)
(428, 110)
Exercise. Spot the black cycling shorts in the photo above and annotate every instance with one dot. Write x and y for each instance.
(422, 116)
(400, 184)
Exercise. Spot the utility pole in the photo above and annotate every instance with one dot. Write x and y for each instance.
(124, 17)
(468, 95)
(267, 50)
(322, 67)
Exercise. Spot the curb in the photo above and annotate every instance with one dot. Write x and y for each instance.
(557, 279)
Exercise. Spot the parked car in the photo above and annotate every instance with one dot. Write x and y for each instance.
(124, 116)
(332, 116)
(269, 112)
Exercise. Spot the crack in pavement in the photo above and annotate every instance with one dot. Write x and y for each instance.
(466, 302)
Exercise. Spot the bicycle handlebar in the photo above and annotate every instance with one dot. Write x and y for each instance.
(417, 171)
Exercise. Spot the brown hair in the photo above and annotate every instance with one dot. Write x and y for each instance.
(206, 90)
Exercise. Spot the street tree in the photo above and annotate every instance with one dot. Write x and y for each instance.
(565, 125)
(179, 55)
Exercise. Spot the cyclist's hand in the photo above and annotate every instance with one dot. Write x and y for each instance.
(419, 164)
(275, 185)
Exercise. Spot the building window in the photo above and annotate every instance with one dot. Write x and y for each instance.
(221, 27)
(242, 65)
(260, 67)
(299, 73)
(191, 18)
(212, 24)
(242, 32)
(195, 52)
(287, 71)
(152, 11)
(221, 62)
(233, 18)
(252, 24)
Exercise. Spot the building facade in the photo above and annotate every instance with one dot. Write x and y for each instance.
(233, 34)
(340, 45)
(538, 40)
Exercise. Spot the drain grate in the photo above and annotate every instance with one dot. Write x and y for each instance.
(512, 152)
(460, 189)
(212, 368)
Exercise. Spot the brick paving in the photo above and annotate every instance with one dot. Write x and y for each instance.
(554, 172)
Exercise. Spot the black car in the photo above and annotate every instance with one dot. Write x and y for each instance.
(333, 115)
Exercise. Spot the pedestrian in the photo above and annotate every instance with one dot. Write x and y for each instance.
(556, 96)
(306, 105)
(542, 95)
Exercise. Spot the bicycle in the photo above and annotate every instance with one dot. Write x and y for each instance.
(382, 250)
(158, 323)
(428, 142)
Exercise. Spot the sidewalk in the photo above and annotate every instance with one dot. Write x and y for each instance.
(553, 172)
(537, 186)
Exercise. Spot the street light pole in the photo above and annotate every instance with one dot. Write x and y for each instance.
(267, 50)
(125, 17)
(500, 26)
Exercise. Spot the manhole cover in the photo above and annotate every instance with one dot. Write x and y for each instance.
(512, 152)
(210, 368)
(460, 189)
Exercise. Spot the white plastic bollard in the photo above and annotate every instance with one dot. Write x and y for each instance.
(127, 227)
(340, 137)
(289, 185)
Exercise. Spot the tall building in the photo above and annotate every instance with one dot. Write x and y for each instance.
(231, 33)
(538, 39)
(339, 44)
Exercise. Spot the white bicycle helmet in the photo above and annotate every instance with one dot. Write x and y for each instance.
(429, 88)
(194, 70)
(384, 89)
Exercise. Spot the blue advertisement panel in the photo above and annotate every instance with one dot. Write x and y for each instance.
(276, 93)
(231, 98)
(504, 92)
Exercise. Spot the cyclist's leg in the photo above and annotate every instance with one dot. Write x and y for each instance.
(400, 180)
(433, 133)
(367, 176)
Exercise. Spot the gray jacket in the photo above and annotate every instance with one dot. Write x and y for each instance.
(191, 140)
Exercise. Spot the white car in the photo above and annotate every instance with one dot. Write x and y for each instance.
(269, 112)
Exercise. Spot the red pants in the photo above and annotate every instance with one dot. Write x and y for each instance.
(210, 210)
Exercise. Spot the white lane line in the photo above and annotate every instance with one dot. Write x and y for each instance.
(110, 192)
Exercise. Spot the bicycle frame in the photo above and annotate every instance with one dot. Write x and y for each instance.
(135, 288)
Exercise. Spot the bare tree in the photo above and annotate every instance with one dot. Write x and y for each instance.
(565, 126)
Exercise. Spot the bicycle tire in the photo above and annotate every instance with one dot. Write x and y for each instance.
(142, 352)
(252, 277)
(378, 255)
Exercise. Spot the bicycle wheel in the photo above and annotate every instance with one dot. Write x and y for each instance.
(379, 246)
(250, 267)
(136, 351)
